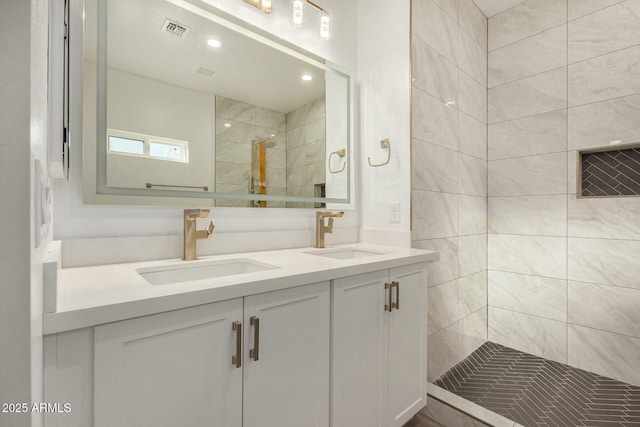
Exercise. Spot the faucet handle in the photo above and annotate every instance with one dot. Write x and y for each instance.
(210, 229)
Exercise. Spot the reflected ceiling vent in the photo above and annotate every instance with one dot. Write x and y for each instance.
(205, 71)
(175, 28)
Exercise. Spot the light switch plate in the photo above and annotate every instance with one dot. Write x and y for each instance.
(394, 212)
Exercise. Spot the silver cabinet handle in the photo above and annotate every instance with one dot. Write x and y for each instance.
(396, 304)
(237, 359)
(255, 352)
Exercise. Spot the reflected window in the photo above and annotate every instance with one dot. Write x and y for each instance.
(153, 147)
(126, 146)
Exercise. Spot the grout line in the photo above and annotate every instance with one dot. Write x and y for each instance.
(525, 195)
(567, 322)
(604, 285)
(525, 274)
(528, 314)
(567, 197)
(563, 236)
(486, 206)
(527, 37)
(457, 66)
(529, 116)
(572, 107)
(530, 76)
(449, 193)
(459, 178)
(530, 155)
(486, 52)
(455, 20)
(457, 321)
(599, 55)
(569, 279)
(636, 338)
(593, 12)
(532, 195)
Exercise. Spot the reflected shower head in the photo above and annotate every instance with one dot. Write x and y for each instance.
(265, 143)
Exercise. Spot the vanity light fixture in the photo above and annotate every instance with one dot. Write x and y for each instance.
(325, 17)
(325, 25)
(297, 12)
(263, 5)
(214, 43)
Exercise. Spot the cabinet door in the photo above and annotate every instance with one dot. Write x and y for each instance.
(359, 350)
(170, 369)
(288, 384)
(408, 344)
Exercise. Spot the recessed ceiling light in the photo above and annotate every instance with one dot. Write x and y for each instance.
(214, 43)
(227, 125)
(307, 77)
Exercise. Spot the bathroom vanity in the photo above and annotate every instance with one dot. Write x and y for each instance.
(299, 337)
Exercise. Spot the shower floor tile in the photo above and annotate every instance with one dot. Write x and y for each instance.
(538, 392)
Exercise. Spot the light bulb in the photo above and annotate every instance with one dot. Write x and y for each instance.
(325, 25)
(296, 13)
(266, 5)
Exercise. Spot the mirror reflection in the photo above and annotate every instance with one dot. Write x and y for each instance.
(194, 108)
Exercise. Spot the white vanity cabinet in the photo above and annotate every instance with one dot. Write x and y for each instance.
(379, 347)
(288, 384)
(181, 369)
(169, 369)
(317, 342)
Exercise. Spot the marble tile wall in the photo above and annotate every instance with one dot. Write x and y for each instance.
(449, 172)
(564, 273)
(305, 160)
(237, 124)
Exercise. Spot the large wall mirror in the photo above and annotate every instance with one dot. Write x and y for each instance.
(184, 102)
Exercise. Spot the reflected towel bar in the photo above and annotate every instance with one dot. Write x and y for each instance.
(149, 185)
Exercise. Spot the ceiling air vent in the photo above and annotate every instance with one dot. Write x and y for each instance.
(175, 28)
(205, 71)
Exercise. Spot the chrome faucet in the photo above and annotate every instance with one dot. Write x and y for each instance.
(321, 228)
(191, 235)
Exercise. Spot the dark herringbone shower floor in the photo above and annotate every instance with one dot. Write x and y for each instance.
(538, 392)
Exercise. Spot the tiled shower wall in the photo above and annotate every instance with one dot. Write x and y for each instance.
(449, 172)
(564, 273)
(306, 135)
(233, 149)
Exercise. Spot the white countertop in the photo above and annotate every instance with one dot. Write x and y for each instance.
(89, 296)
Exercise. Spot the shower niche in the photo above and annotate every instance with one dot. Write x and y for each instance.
(612, 171)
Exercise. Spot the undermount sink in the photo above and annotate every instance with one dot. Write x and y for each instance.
(345, 253)
(176, 273)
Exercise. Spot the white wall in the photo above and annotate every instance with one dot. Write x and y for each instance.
(384, 93)
(23, 73)
(74, 220)
(150, 107)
